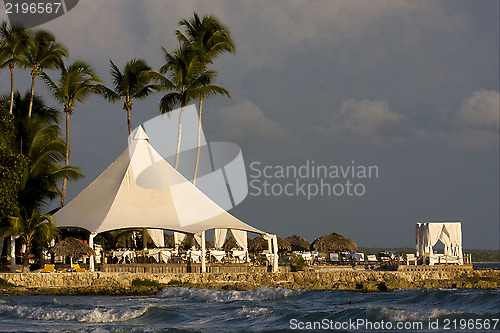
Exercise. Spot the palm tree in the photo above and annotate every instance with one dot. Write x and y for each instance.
(13, 44)
(136, 81)
(76, 82)
(30, 227)
(183, 76)
(208, 39)
(38, 139)
(43, 52)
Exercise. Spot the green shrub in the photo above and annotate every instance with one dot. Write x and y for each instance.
(4, 284)
(145, 283)
(298, 263)
(174, 283)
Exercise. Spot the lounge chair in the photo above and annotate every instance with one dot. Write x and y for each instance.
(447, 260)
(411, 259)
(334, 258)
(48, 268)
(77, 268)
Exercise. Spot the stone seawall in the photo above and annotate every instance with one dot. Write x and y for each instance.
(113, 283)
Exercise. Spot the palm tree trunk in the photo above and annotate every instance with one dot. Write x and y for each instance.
(199, 144)
(178, 151)
(11, 67)
(33, 76)
(128, 122)
(13, 254)
(26, 259)
(66, 161)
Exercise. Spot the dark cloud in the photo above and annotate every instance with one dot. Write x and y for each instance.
(409, 86)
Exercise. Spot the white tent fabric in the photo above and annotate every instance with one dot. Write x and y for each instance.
(157, 236)
(198, 238)
(241, 238)
(141, 190)
(450, 233)
(219, 238)
(178, 238)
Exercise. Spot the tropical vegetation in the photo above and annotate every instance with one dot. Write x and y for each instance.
(34, 156)
(136, 81)
(187, 77)
(76, 82)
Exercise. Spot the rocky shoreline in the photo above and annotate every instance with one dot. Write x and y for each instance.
(101, 283)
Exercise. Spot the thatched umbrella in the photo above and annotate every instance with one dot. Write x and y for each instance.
(258, 244)
(298, 243)
(231, 244)
(334, 243)
(73, 248)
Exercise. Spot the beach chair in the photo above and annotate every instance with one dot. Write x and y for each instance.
(449, 260)
(360, 258)
(48, 268)
(334, 258)
(77, 268)
(411, 259)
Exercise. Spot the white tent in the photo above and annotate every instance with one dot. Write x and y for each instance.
(141, 190)
(449, 233)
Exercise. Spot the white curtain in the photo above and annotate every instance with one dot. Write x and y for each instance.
(219, 237)
(178, 238)
(157, 237)
(420, 229)
(241, 238)
(454, 231)
(433, 235)
(198, 238)
(428, 234)
(446, 240)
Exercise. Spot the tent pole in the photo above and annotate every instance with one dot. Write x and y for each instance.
(275, 261)
(91, 244)
(13, 254)
(203, 253)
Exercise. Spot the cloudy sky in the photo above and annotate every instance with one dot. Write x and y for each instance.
(411, 87)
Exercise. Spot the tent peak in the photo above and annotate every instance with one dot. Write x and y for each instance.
(140, 134)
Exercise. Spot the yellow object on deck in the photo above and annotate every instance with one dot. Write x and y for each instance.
(77, 268)
(48, 268)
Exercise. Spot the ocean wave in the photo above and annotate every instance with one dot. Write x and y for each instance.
(477, 301)
(225, 296)
(252, 311)
(95, 315)
(397, 314)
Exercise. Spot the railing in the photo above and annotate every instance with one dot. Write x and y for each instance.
(178, 268)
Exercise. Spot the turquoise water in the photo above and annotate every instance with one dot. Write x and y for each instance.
(262, 310)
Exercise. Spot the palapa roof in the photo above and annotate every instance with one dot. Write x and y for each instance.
(334, 243)
(258, 244)
(72, 247)
(298, 243)
(230, 243)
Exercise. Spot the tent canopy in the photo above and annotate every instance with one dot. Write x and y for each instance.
(141, 190)
(449, 233)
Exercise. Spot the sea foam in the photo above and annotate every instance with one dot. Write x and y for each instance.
(95, 315)
(224, 296)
